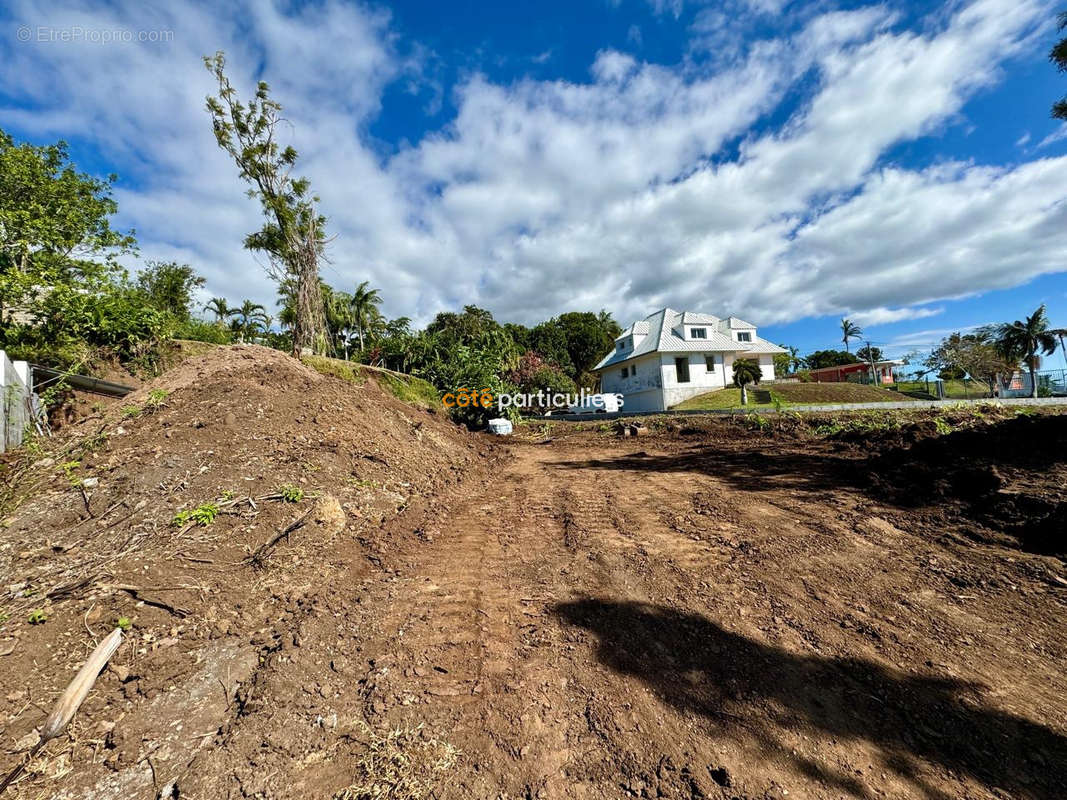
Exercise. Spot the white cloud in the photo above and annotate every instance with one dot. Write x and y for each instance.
(883, 316)
(544, 196)
(1057, 135)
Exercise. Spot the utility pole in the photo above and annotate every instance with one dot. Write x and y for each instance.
(870, 360)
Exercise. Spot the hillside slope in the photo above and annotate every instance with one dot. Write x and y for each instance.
(97, 538)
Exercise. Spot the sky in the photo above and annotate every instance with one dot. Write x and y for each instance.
(782, 161)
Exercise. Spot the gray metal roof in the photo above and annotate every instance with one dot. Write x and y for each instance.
(661, 338)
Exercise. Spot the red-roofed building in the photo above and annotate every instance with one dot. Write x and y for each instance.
(858, 372)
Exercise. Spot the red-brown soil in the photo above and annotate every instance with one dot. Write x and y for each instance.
(710, 612)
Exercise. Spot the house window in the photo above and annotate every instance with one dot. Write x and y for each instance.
(625, 372)
(698, 333)
(744, 336)
(681, 367)
(709, 363)
(620, 345)
(633, 371)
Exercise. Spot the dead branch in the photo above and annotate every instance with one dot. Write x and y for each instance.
(139, 595)
(70, 701)
(259, 556)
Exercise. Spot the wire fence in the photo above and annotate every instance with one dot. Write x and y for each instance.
(1050, 383)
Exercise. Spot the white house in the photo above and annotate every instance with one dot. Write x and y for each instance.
(670, 356)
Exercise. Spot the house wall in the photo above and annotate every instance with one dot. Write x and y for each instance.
(641, 392)
(656, 386)
(701, 380)
(766, 366)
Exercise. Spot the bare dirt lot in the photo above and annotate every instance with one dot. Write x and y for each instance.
(717, 611)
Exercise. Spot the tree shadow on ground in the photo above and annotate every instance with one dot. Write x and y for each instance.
(962, 470)
(698, 667)
(748, 467)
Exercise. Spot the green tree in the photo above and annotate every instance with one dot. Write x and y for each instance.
(519, 334)
(168, 286)
(790, 361)
(365, 302)
(470, 326)
(293, 236)
(549, 341)
(250, 319)
(340, 319)
(1058, 56)
(587, 342)
(849, 330)
(746, 371)
(974, 354)
(220, 308)
(1024, 339)
(608, 324)
(869, 353)
(828, 358)
(1060, 333)
(62, 292)
(51, 215)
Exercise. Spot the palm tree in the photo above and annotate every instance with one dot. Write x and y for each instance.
(746, 371)
(363, 300)
(249, 318)
(1059, 333)
(340, 319)
(220, 308)
(608, 324)
(1021, 340)
(795, 361)
(849, 330)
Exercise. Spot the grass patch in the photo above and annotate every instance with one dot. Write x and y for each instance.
(790, 394)
(408, 388)
(725, 399)
(954, 390)
(348, 371)
(401, 764)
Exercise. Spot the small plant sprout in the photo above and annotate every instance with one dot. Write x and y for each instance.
(124, 623)
(131, 412)
(291, 494)
(156, 400)
(942, 426)
(37, 617)
(69, 470)
(202, 515)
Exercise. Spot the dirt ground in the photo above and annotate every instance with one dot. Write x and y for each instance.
(710, 611)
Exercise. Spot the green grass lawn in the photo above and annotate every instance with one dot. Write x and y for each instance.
(954, 390)
(724, 399)
(791, 394)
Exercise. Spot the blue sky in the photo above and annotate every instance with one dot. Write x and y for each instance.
(787, 162)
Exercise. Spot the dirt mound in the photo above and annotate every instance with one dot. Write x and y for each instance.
(206, 510)
(1009, 476)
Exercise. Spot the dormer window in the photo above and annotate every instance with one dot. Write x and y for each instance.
(698, 333)
(744, 336)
